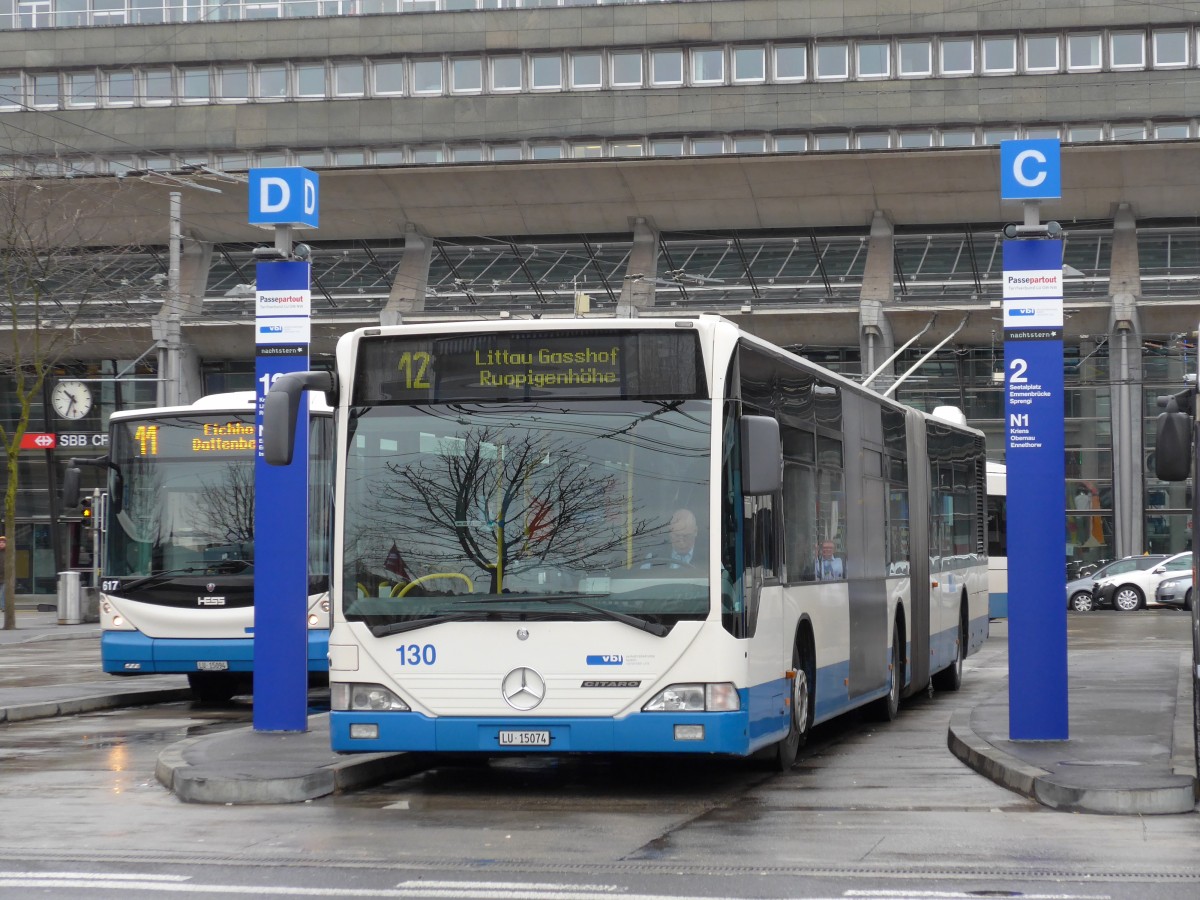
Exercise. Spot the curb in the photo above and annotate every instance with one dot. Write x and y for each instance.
(74, 706)
(1038, 784)
(274, 782)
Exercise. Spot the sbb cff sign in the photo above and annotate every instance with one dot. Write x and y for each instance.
(39, 440)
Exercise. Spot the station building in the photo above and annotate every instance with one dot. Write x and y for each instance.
(825, 173)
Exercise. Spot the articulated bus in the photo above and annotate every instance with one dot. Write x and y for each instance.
(631, 535)
(177, 583)
(997, 532)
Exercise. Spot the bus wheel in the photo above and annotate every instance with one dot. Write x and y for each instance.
(950, 678)
(800, 719)
(887, 707)
(212, 687)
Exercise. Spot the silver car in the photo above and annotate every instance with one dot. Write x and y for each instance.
(1079, 591)
(1175, 591)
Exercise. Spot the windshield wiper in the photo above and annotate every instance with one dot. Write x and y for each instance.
(158, 577)
(653, 628)
(413, 624)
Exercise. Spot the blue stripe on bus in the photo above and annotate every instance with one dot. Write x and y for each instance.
(131, 652)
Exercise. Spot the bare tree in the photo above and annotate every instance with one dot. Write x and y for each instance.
(48, 278)
(509, 504)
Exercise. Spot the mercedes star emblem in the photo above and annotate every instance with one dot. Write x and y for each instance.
(523, 689)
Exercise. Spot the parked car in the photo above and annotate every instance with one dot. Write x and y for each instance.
(1128, 591)
(1175, 591)
(1079, 591)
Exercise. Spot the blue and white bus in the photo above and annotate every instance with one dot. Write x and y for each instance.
(504, 494)
(997, 525)
(177, 584)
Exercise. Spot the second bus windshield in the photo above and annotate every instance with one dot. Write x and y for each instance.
(604, 501)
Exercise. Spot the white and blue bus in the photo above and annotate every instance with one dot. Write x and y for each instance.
(505, 496)
(997, 526)
(177, 586)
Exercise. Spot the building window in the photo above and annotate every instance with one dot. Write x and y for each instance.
(750, 145)
(833, 61)
(588, 150)
(958, 57)
(108, 12)
(1041, 134)
(121, 90)
(351, 158)
(546, 73)
(626, 70)
(1128, 50)
(999, 55)
(194, 86)
(1083, 53)
(393, 157)
(873, 59)
(791, 143)
(708, 66)
(505, 73)
(147, 12)
(626, 148)
(1128, 132)
(749, 65)
(878, 140)
(915, 58)
(11, 94)
(349, 79)
(34, 14)
(67, 14)
(427, 155)
(81, 89)
(1170, 49)
(233, 84)
(466, 154)
(666, 67)
(506, 153)
(791, 62)
(1174, 132)
(1041, 53)
(466, 76)
(270, 82)
(707, 146)
(586, 69)
(666, 148)
(833, 142)
(993, 136)
(958, 138)
(1085, 134)
(158, 88)
(427, 76)
(309, 158)
(913, 140)
(546, 151)
(310, 78)
(43, 90)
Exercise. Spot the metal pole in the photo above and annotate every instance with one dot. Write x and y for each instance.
(56, 548)
(887, 362)
(920, 362)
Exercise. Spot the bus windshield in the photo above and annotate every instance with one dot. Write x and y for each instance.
(182, 495)
(579, 508)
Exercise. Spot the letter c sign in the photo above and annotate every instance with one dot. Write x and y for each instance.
(1030, 170)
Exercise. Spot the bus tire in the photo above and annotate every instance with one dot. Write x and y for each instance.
(887, 707)
(950, 678)
(800, 709)
(213, 687)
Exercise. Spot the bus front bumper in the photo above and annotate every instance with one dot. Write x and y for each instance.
(133, 653)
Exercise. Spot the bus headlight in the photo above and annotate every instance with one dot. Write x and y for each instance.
(364, 698)
(719, 697)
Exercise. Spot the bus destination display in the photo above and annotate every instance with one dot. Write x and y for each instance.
(189, 437)
(534, 365)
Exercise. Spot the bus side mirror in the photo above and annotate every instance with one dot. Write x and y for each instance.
(281, 410)
(70, 487)
(762, 456)
(1173, 444)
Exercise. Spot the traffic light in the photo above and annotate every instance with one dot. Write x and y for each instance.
(85, 508)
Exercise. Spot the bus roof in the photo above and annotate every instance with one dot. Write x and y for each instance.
(231, 401)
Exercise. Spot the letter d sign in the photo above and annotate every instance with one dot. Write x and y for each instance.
(283, 197)
(1030, 170)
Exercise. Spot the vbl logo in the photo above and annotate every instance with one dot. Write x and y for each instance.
(606, 659)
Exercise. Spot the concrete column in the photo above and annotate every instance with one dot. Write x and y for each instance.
(412, 278)
(637, 290)
(876, 342)
(1125, 380)
(180, 381)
